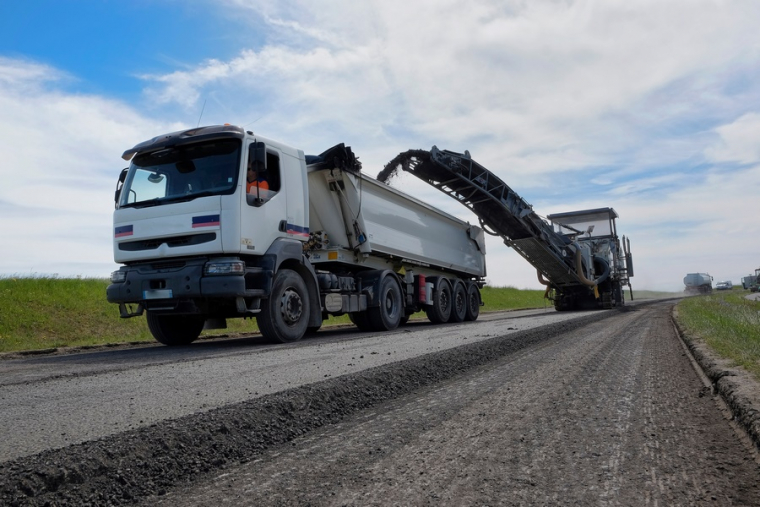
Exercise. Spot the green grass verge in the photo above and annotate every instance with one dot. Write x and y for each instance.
(729, 324)
(41, 313)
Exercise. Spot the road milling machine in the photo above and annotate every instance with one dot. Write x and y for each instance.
(578, 255)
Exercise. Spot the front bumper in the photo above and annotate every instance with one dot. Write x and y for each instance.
(182, 287)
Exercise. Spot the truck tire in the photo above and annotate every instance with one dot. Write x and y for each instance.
(360, 320)
(175, 330)
(284, 316)
(440, 311)
(387, 316)
(458, 303)
(472, 311)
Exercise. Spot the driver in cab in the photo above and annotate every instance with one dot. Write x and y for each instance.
(254, 180)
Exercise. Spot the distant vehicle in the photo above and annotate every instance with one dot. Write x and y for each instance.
(727, 285)
(748, 281)
(698, 283)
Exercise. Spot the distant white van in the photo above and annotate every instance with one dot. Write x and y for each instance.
(726, 285)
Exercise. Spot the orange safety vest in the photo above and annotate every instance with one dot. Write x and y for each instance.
(251, 186)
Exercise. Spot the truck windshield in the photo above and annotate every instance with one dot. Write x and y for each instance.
(182, 173)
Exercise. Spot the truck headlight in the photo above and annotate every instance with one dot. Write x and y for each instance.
(118, 276)
(224, 267)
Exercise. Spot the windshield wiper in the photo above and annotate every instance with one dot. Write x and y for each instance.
(166, 200)
(142, 204)
(190, 197)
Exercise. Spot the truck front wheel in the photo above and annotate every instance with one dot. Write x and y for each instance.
(284, 316)
(175, 329)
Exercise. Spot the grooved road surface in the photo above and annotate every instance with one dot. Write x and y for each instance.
(608, 414)
(51, 402)
(601, 408)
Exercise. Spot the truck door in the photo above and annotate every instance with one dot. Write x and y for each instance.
(264, 212)
(295, 183)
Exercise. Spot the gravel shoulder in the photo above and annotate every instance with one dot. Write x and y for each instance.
(738, 388)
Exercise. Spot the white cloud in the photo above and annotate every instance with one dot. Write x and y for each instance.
(739, 141)
(61, 157)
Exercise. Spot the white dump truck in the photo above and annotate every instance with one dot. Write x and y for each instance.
(199, 244)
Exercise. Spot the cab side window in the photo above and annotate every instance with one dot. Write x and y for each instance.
(273, 171)
(262, 174)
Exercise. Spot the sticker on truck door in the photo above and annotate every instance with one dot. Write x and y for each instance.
(298, 230)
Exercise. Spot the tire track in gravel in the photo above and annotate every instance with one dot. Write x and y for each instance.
(151, 460)
(607, 414)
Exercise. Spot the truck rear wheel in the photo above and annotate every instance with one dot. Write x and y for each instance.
(175, 330)
(472, 311)
(360, 320)
(440, 311)
(388, 315)
(284, 316)
(458, 303)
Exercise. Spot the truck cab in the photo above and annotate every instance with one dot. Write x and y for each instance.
(192, 240)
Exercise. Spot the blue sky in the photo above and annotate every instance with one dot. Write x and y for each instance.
(650, 107)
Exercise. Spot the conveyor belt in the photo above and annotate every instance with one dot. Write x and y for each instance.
(501, 211)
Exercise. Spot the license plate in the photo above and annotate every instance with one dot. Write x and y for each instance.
(157, 294)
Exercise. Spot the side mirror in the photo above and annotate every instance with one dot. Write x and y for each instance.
(257, 154)
(119, 185)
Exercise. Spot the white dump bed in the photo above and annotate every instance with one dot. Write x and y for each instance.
(361, 214)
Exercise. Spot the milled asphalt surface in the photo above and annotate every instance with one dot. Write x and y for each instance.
(56, 472)
(150, 459)
(52, 402)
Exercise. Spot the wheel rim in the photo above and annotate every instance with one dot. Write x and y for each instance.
(444, 300)
(473, 301)
(390, 304)
(291, 306)
(459, 302)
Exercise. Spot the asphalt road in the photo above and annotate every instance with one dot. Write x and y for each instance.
(609, 414)
(51, 402)
(535, 408)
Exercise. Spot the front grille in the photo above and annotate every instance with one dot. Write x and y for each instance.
(152, 244)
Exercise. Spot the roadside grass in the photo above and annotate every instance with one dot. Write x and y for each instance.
(43, 312)
(38, 313)
(728, 323)
(511, 298)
